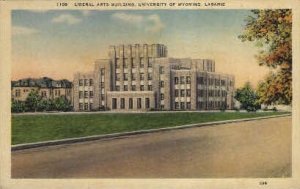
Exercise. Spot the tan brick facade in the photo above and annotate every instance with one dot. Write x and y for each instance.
(142, 77)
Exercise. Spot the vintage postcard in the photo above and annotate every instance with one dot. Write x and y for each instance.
(150, 94)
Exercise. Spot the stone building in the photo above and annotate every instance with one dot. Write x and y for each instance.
(46, 87)
(142, 77)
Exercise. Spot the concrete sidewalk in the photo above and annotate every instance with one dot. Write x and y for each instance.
(132, 112)
(126, 134)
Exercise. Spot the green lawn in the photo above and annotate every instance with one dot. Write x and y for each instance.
(34, 128)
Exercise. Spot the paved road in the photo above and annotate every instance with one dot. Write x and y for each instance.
(248, 149)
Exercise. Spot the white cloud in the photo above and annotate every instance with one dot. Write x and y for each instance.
(131, 18)
(86, 12)
(151, 23)
(156, 24)
(20, 30)
(66, 18)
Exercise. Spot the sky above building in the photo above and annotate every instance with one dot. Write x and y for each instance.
(58, 43)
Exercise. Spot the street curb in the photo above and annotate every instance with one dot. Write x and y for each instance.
(119, 135)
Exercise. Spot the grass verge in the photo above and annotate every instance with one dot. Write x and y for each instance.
(37, 128)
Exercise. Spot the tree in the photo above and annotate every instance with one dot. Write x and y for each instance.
(32, 101)
(17, 106)
(46, 105)
(247, 97)
(62, 104)
(271, 30)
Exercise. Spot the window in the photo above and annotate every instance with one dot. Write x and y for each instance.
(86, 81)
(86, 106)
(133, 87)
(122, 103)
(147, 103)
(188, 79)
(18, 93)
(201, 93)
(141, 76)
(44, 94)
(149, 87)
(126, 63)
(161, 70)
(114, 103)
(142, 88)
(142, 63)
(80, 82)
(91, 82)
(80, 106)
(125, 87)
(162, 83)
(149, 76)
(118, 77)
(176, 80)
(182, 93)
(223, 82)
(188, 93)
(133, 77)
(182, 80)
(102, 71)
(91, 94)
(150, 64)
(130, 103)
(182, 105)
(117, 88)
(86, 94)
(176, 92)
(188, 105)
(162, 96)
(224, 93)
(80, 94)
(125, 76)
(139, 103)
(91, 106)
(176, 105)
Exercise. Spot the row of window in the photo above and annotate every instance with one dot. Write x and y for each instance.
(140, 50)
(212, 81)
(86, 94)
(212, 93)
(133, 88)
(182, 80)
(133, 76)
(86, 82)
(182, 106)
(211, 104)
(43, 93)
(142, 62)
(85, 106)
(123, 104)
(182, 92)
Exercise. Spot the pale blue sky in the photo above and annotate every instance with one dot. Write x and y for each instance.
(73, 39)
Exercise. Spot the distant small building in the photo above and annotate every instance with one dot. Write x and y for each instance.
(46, 87)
